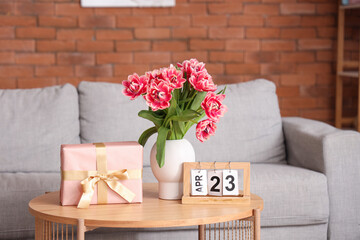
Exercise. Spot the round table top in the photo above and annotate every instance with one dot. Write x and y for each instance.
(152, 212)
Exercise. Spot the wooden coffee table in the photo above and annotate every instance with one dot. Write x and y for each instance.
(53, 221)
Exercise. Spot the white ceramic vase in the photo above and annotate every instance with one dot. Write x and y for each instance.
(170, 176)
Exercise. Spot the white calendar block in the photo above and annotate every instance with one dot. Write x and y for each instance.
(198, 182)
(230, 182)
(215, 182)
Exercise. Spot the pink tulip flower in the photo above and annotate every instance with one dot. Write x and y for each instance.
(188, 66)
(154, 75)
(205, 129)
(158, 95)
(213, 107)
(135, 85)
(202, 81)
(174, 76)
(199, 67)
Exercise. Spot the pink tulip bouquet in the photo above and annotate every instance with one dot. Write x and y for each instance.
(178, 97)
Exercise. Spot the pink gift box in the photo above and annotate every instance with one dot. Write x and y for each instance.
(83, 158)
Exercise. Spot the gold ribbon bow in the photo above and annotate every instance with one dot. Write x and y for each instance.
(111, 180)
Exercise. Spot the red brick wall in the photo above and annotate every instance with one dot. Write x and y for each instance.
(291, 42)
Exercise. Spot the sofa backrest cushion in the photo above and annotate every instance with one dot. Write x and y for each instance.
(251, 130)
(33, 125)
(106, 115)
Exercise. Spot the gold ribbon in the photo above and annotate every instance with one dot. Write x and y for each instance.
(75, 175)
(103, 179)
(111, 180)
(101, 166)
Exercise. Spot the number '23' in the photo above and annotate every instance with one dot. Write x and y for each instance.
(217, 182)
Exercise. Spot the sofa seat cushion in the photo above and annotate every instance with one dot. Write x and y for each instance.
(33, 125)
(292, 195)
(16, 190)
(251, 130)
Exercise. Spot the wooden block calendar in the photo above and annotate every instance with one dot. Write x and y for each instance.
(209, 195)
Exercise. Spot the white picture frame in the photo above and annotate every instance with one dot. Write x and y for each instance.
(127, 3)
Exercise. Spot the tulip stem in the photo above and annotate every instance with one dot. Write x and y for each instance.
(192, 94)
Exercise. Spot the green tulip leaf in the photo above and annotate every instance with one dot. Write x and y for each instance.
(146, 134)
(171, 112)
(185, 116)
(200, 96)
(152, 116)
(179, 128)
(176, 94)
(172, 108)
(185, 100)
(189, 124)
(160, 145)
(222, 91)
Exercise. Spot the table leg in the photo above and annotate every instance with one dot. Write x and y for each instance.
(201, 232)
(81, 229)
(39, 229)
(257, 224)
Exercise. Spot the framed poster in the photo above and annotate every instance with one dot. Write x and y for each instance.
(127, 3)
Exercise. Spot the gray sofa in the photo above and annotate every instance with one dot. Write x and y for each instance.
(306, 171)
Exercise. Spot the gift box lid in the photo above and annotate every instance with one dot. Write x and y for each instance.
(119, 155)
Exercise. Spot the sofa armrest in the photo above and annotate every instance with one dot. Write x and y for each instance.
(336, 153)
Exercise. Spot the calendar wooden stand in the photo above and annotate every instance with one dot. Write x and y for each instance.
(244, 195)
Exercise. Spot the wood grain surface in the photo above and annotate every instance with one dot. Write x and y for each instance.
(153, 212)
